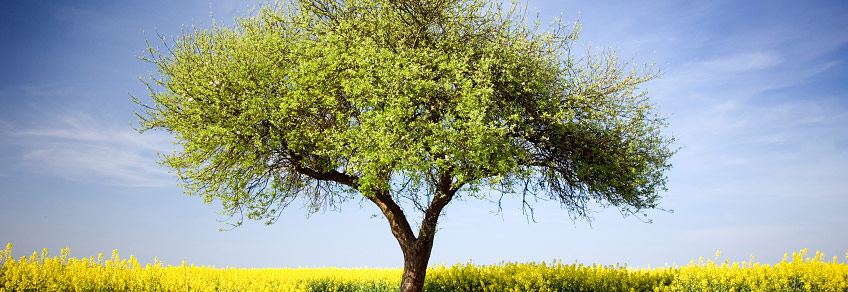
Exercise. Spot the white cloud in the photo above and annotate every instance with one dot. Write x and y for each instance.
(78, 147)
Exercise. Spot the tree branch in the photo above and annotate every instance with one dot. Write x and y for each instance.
(444, 194)
(331, 175)
(397, 220)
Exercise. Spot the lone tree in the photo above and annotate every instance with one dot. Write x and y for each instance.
(410, 104)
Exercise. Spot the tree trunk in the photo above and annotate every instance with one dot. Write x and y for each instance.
(416, 250)
(416, 256)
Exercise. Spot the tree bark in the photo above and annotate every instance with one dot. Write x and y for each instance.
(415, 260)
(416, 250)
(416, 253)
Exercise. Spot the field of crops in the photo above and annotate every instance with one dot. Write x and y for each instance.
(40, 272)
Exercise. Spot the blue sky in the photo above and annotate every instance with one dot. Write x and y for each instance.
(756, 92)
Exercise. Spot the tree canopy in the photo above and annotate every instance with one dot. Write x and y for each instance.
(408, 103)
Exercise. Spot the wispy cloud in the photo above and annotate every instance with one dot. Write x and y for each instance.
(752, 109)
(79, 147)
(743, 62)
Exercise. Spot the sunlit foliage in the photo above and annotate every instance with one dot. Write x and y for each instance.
(409, 104)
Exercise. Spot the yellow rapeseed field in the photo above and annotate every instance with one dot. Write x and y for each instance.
(40, 272)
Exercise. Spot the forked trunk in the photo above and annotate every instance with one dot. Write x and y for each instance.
(416, 250)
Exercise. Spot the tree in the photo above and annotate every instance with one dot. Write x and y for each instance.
(409, 104)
